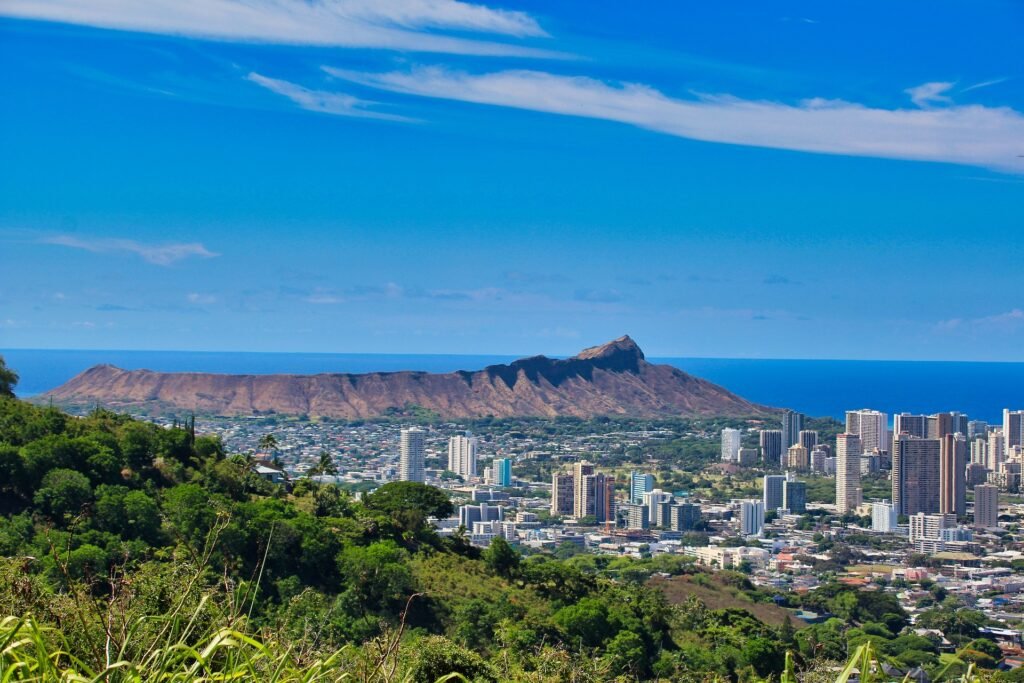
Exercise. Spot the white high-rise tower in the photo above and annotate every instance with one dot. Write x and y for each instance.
(462, 455)
(410, 462)
(848, 491)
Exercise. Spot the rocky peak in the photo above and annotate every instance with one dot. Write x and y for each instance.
(623, 348)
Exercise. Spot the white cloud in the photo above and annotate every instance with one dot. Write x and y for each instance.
(201, 299)
(336, 103)
(927, 94)
(390, 24)
(158, 254)
(973, 135)
(1000, 322)
(985, 84)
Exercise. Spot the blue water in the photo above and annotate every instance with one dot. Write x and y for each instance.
(814, 387)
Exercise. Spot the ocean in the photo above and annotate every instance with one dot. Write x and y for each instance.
(815, 387)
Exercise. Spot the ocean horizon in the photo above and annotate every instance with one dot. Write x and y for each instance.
(820, 388)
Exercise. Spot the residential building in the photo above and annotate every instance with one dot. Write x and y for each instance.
(471, 514)
(747, 457)
(770, 443)
(731, 443)
(797, 458)
(634, 515)
(808, 438)
(772, 491)
(462, 455)
(996, 450)
(792, 425)
(411, 454)
(657, 502)
(562, 494)
(794, 496)
(818, 457)
(502, 468)
(751, 517)
(683, 516)
(1013, 428)
(952, 475)
(883, 517)
(593, 493)
(986, 506)
(939, 425)
(639, 484)
(929, 527)
(871, 426)
(848, 490)
(976, 428)
(914, 425)
(915, 475)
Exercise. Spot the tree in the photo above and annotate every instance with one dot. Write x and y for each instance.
(398, 498)
(585, 623)
(8, 379)
(501, 558)
(326, 464)
(377, 576)
(626, 655)
(63, 494)
(268, 443)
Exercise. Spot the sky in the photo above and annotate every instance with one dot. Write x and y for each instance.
(729, 179)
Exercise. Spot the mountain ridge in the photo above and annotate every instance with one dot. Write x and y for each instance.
(605, 380)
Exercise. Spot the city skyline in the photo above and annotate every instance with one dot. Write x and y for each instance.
(511, 178)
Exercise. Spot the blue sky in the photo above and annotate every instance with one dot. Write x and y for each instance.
(751, 179)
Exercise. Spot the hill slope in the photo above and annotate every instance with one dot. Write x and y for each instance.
(611, 379)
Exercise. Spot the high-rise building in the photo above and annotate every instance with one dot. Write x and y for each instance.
(818, 456)
(797, 458)
(794, 496)
(593, 494)
(996, 450)
(563, 491)
(462, 455)
(502, 468)
(976, 428)
(958, 423)
(770, 442)
(808, 438)
(772, 491)
(470, 514)
(683, 516)
(929, 527)
(792, 424)
(657, 502)
(411, 454)
(915, 475)
(883, 517)
(634, 515)
(871, 426)
(747, 457)
(1013, 428)
(848, 490)
(914, 425)
(952, 474)
(976, 474)
(751, 517)
(979, 451)
(731, 442)
(939, 425)
(639, 484)
(986, 506)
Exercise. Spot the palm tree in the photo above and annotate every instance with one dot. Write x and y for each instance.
(326, 464)
(8, 379)
(268, 443)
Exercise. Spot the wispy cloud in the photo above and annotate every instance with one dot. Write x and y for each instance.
(972, 135)
(394, 24)
(158, 254)
(1000, 322)
(984, 84)
(927, 94)
(339, 104)
(776, 279)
